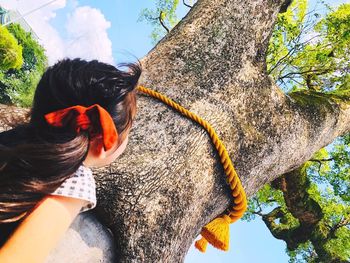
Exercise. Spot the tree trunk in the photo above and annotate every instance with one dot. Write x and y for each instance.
(169, 183)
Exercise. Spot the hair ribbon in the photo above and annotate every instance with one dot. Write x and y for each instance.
(95, 119)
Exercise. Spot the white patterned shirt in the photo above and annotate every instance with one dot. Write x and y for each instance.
(82, 186)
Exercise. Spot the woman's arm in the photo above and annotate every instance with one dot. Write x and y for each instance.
(41, 230)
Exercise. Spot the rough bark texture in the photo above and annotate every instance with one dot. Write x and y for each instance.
(169, 183)
(306, 210)
(294, 187)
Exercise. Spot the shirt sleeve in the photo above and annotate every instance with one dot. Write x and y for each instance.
(82, 186)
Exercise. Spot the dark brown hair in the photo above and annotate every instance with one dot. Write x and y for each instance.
(35, 158)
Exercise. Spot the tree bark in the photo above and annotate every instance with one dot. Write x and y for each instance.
(169, 183)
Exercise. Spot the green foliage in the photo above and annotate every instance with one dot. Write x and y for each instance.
(10, 51)
(285, 39)
(334, 170)
(265, 199)
(163, 17)
(335, 212)
(308, 51)
(304, 253)
(17, 86)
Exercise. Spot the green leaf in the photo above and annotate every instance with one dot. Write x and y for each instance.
(10, 51)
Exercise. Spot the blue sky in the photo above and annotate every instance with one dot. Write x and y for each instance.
(111, 33)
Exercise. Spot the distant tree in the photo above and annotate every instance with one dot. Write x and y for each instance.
(17, 86)
(162, 18)
(10, 51)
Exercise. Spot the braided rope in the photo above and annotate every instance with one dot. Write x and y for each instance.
(232, 179)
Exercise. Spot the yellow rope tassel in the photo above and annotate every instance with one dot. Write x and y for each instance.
(201, 244)
(217, 231)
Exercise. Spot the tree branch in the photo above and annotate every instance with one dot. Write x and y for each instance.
(293, 236)
(294, 186)
(314, 71)
(183, 1)
(345, 221)
(321, 160)
(162, 22)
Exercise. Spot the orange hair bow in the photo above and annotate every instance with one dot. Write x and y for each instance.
(84, 118)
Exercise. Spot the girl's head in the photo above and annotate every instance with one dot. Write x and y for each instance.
(78, 82)
(35, 157)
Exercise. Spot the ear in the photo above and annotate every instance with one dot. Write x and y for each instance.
(96, 147)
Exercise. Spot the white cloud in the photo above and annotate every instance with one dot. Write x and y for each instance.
(86, 29)
(87, 33)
